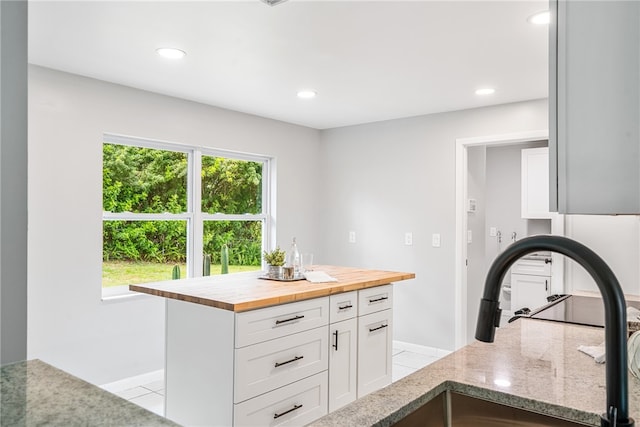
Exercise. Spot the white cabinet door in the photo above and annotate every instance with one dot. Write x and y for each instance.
(535, 183)
(594, 105)
(343, 351)
(374, 351)
(529, 291)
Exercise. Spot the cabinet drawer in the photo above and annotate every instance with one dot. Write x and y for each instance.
(374, 351)
(274, 322)
(343, 306)
(375, 299)
(536, 267)
(265, 366)
(297, 404)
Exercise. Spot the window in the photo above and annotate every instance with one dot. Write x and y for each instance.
(173, 210)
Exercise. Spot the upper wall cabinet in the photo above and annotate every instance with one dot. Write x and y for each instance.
(535, 183)
(594, 107)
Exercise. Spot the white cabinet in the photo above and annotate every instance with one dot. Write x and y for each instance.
(535, 183)
(594, 105)
(360, 353)
(374, 351)
(529, 291)
(343, 363)
(374, 338)
(226, 368)
(343, 349)
(531, 281)
(283, 365)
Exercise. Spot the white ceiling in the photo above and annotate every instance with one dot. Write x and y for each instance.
(368, 60)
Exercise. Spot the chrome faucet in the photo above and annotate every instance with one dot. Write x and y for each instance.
(615, 310)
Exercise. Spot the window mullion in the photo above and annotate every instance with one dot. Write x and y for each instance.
(195, 206)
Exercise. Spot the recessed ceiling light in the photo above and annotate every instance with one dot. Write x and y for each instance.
(170, 52)
(540, 18)
(485, 91)
(307, 94)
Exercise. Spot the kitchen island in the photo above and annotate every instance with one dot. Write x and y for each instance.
(241, 350)
(533, 365)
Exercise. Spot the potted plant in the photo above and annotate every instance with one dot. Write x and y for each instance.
(275, 260)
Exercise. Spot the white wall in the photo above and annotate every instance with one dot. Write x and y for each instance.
(616, 239)
(69, 326)
(395, 176)
(504, 195)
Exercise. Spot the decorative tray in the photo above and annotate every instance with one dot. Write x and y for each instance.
(282, 279)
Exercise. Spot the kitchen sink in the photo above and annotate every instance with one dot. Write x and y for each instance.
(450, 409)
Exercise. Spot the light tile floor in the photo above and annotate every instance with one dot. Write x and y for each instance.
(148, 390)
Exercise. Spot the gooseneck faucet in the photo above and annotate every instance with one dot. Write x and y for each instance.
(615, 310)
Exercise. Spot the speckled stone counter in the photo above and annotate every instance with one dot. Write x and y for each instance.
(34, 393)
(532, 364)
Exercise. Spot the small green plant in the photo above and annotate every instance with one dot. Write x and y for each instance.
(206, 265)
(275, 257)
(224, 259)
(175, 274)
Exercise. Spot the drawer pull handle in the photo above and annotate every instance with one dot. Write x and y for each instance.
(344, 307)
(335, 334)
(275, 416)
(377, 299)
(298, 317)
(379, 327)
(289, 361)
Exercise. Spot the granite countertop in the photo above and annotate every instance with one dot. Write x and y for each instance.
(533, 365)
(37, 394)
(247, 291)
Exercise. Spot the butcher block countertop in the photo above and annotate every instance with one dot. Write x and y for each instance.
(247, 291)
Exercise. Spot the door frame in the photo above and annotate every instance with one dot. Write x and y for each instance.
(462, 144)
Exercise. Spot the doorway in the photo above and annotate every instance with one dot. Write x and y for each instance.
(471, 222)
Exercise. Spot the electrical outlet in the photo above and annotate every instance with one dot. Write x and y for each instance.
(408, 239)
(493, 231)
(352, 237)
(435, 240)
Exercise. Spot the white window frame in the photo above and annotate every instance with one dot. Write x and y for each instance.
(194, 216)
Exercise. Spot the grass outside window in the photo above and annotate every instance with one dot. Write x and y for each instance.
(118, 273)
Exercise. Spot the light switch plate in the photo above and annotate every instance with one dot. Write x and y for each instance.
(408, 239)
(352, 237)
(435, 240)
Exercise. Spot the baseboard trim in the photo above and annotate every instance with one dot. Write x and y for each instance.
(132, 382)
(420, 349)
